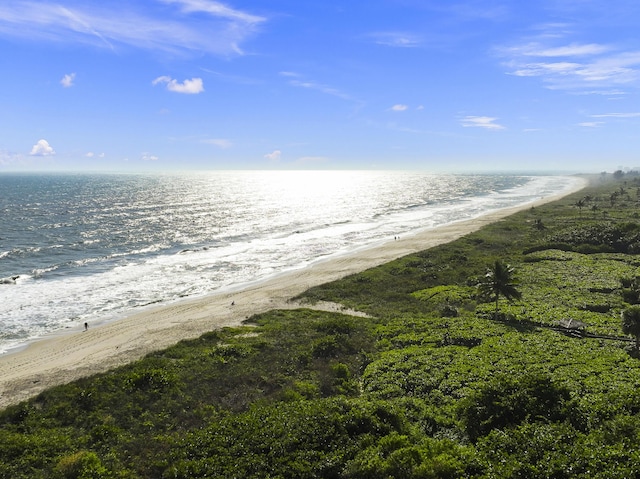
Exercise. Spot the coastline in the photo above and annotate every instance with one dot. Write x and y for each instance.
(70, 355)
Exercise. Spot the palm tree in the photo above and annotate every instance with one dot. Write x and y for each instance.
(631, 322)
(499, 281)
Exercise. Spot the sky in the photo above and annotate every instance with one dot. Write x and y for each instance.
(435, 85)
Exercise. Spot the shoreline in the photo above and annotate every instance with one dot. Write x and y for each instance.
(68, 355)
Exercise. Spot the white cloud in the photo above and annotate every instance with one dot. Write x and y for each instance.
(321, 88)
(8, 158)
(614, 94)
(42, 148)
(149, 157)
(274, 156)
(591, 124)
(617, 115)
(296, 79)
(185, 25)
(290, 74)
(536, 49)
(397, 39)
(580, 67)
(399, 107)
(542, 69)
(193, 86)
(214, 8)
(67, 80)
(219, 142)
(90, 154)
(481, 122)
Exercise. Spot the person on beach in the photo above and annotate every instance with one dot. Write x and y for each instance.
(86, 326)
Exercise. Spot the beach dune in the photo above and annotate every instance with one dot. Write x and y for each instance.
(70, 355)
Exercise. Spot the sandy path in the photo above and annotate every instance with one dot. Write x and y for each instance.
(69, 355)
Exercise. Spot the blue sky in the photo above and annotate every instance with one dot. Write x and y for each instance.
(414, 84)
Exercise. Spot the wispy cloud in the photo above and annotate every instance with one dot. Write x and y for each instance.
(67, 80)
(219, 142)
(299, 81)
(148, 157)
(219, 29)
(537, 49)
(402, 107)
(216, 9)
(42, 148)
(8, 158)
(396, 39)
(610, 93)
(191, 87)
(328, 90)
(290, 74)
(274, 155)
(486, 122)
(617, 115)
(578, 67)
(606, 116)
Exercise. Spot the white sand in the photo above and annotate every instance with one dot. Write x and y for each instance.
(67, 356)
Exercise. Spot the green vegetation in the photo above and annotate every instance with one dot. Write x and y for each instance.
(499, 282)
(435, 383)
(631, 322)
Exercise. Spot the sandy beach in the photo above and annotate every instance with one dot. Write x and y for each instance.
(72, 354)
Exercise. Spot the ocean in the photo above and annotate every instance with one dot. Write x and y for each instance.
(78, 248)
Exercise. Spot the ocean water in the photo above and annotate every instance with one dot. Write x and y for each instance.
(93, 248)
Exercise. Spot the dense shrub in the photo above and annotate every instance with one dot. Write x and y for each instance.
(508, 401)
(602, 237)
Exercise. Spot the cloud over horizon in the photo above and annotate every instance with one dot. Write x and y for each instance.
(274, 156)
(42, 148)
